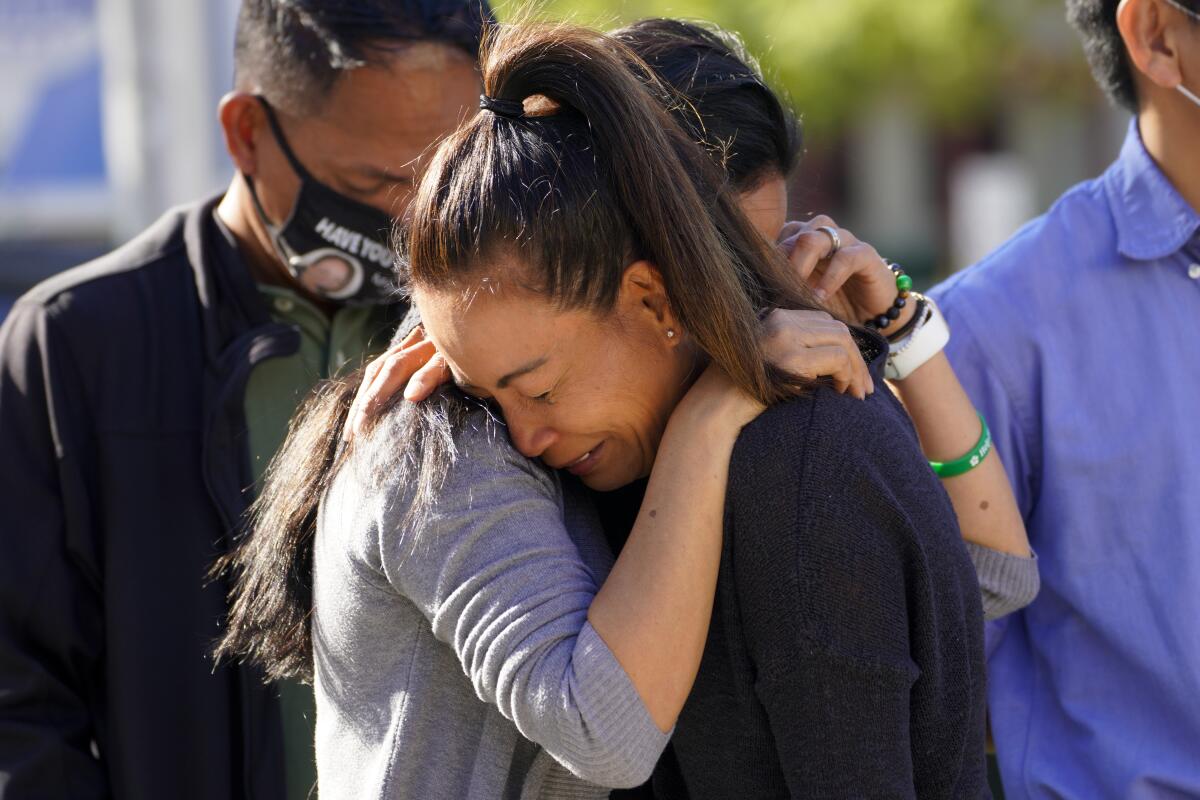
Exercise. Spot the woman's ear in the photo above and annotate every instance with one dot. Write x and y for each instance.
(1151, 37)
(242, 120)
(643, 296)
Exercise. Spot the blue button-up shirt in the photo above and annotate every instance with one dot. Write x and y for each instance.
(1079, 340)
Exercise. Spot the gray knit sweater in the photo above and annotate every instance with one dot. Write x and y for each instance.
(454, 659)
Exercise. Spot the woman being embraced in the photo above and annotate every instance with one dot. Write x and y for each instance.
(592, 252)
(583, 268)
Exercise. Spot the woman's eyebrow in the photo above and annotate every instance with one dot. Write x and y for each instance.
(525, 370)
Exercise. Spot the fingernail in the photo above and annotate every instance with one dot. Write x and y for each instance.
(820, 294)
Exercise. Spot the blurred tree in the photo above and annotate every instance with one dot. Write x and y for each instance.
(949, 58)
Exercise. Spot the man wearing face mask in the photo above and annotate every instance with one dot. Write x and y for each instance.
(1078, 340)
(142, 395)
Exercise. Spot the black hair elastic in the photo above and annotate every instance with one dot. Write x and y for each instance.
(513, 109)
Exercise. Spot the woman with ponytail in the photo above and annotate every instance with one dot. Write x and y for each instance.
(574, 258)
(722, 100)
(445, 592)
(585, 271)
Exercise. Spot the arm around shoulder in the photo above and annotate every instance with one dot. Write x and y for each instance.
(503, 584)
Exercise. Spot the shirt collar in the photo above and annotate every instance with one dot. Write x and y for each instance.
(1152, 218)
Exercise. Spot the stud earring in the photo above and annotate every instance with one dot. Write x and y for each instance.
(670, 333)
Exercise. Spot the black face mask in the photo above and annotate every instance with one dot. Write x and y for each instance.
(334, 246)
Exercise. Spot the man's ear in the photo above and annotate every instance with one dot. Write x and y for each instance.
(242, 121)
(643, 293)
(1151, 36)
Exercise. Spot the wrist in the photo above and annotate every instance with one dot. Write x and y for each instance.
(715, 407)
(929, 336)
(906, 315)
(900, 305)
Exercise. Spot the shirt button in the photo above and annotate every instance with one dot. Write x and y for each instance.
(283, 305)
(1194, 272)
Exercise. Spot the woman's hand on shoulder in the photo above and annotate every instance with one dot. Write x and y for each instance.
(853, 282)
(811, 344)
(413, 366)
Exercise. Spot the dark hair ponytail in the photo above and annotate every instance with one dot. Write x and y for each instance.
(593, 176)
(271, 568)
(270, 599)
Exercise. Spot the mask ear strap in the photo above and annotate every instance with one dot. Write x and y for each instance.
(277, 131)
(281, 249)
(1188, 93)
(262, 212)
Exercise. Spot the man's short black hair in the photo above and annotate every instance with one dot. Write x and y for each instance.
(1096, 21)
(292, 51)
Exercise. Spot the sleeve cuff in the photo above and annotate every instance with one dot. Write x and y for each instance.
(1008, 582)
(613, 713)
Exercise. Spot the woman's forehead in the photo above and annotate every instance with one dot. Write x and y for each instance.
(487, 335)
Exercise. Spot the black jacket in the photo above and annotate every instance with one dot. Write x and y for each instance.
(123, 464)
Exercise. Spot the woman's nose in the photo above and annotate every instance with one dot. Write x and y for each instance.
(530, 437)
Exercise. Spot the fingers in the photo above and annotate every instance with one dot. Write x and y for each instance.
(384, 379)
(859, 260)
(814, 345)
(807, 250)
(414, 336)
(354, 418)
(789, 230)
(829, 361)
(427, 379)
(807, 245)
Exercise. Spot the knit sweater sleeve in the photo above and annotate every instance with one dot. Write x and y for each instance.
(1007, 582)
(502, 583)
(861, 617)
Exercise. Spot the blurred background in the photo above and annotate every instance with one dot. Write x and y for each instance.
(933, 129)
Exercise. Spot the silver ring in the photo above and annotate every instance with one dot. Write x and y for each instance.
(832, 233)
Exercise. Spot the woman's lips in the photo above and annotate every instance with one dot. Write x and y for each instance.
(585, 463)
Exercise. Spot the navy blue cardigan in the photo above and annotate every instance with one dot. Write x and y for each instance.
(845, 657)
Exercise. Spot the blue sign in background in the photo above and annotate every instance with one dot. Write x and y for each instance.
(51, 137)
(58, 140)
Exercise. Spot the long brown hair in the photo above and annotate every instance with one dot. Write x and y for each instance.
(578, 191)
(271, 568)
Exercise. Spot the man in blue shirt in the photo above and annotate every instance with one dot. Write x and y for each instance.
(1079, 340)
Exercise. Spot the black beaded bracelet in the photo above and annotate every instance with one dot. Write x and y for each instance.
(903, 289)
(907, 328)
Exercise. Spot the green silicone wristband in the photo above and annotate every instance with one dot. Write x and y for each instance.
(960, 466)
